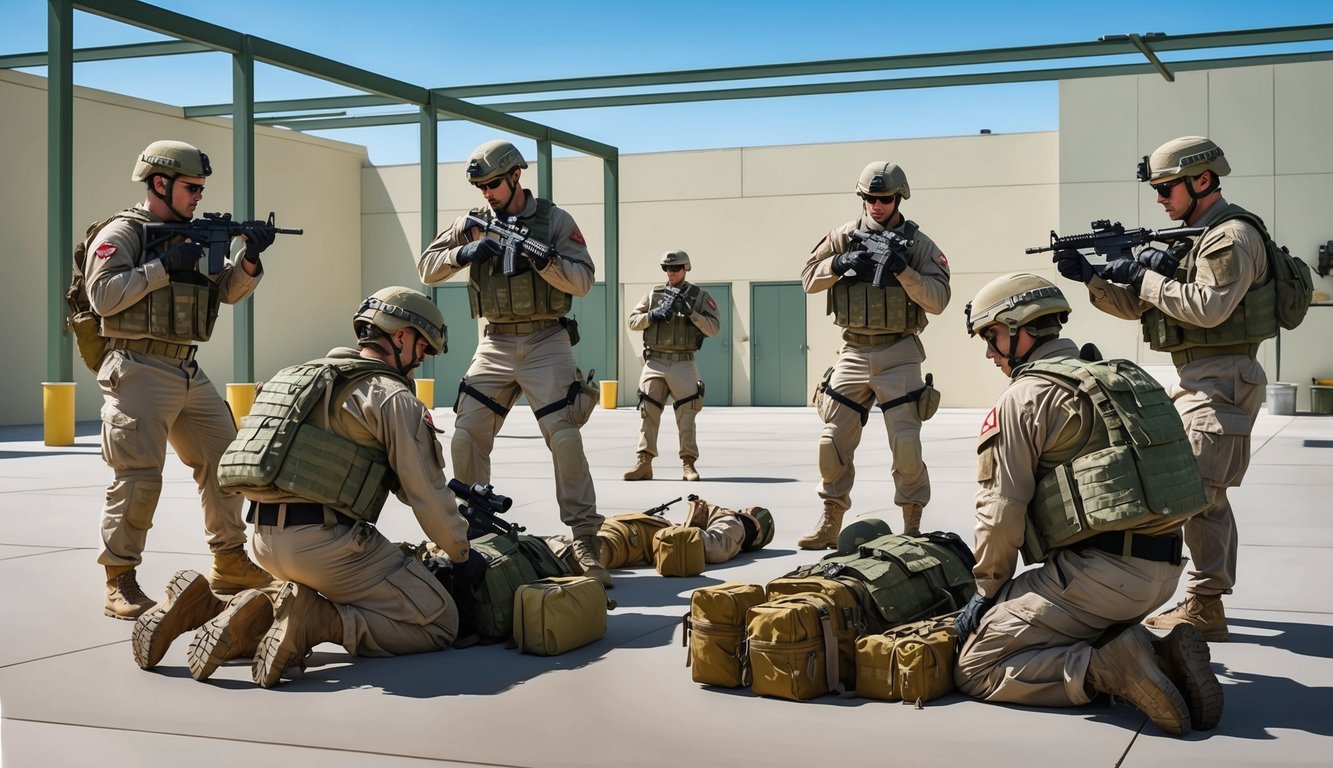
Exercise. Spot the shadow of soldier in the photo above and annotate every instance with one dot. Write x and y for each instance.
(1305, 639)
(1257, 705)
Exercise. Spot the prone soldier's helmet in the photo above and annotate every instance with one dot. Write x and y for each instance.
(764, 519)
(883, 179)
(1016, 300)
(171, 159)
(1185, 156)
(853, 536)
(676, 259)
(494, 158)
(394, 308)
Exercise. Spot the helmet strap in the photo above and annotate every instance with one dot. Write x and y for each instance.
(166, 199)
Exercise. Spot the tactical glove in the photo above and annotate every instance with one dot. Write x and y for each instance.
(659, 313)
(1073, 265)
(258, 237)
(1162, 262)
(1124, 271)
(474, 568)
(182, 257)
(539, 261)
(479, 251)
(970, 618)
(847, 262)
(896, 263)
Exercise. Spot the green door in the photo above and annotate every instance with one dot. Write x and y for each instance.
(450, 367)
(714, 358)
(777, 347)
(591, 351)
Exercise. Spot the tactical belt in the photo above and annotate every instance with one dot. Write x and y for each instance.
(698, 393)
(1186, 356)
(644, 398)
(155, 348)
(570, 397)
(519, 329)
(861, 410)
(1159, 549)
(653, 354)
(465, 388)
(910, 397)
(298, 513)
(872, 339)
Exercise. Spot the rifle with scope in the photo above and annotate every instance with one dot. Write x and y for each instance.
(214, 232)
(481, 506)
(514, 238)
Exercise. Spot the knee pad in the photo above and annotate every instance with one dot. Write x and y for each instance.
(830, 461)
(141, 502)
(567, 443)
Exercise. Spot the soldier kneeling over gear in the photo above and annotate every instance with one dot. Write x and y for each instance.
(1110, 549)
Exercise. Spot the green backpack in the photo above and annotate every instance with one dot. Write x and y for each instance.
(1291, 276)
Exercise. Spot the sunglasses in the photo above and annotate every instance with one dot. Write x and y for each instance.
(194, 189)
(492, 184)
(988, 335)
(876, 199)
(672, 269)
(1164, 189)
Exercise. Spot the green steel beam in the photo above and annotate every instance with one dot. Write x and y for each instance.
(59, 186)
(1151, 56)
(243, 198)
(430, 195)
(107, 53)
(611, 232)
(294, 105)
(545, 180)
(165, 22)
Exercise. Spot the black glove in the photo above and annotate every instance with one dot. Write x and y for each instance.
(970, 618)
(852, 260)
(258, 237)
(474, 568)
(1162, 262)
(182, 257)
(1073, 265)
(539, 260)
(682, 307)
(896, 263)
(1124, 271)
(479, 251)
(659, 313)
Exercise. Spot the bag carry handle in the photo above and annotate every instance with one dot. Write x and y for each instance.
(685, 637)
(831, 654)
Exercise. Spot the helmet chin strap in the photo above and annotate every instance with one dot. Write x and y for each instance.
(398, 356)
(1213, 186)
(1009, 356)
(171, 184)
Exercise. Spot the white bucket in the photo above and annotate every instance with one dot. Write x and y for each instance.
(1281, 399)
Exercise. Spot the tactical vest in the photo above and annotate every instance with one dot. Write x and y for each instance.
(525, 295)
(860, 306)
(1252, 321)
(85, 324)
(280, 451)
(676, 333)
(1136, 471)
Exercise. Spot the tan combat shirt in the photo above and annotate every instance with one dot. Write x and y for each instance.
(926, 279)
(703, 314)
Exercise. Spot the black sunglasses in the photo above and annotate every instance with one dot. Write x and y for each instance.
(492, 184)
(881, 199)
(1164, 189)
(669, 268)
(194, 189)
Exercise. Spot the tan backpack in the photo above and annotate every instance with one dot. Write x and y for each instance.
(715, 633)
(678, 551)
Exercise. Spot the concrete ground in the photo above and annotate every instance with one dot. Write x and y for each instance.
(70, 693)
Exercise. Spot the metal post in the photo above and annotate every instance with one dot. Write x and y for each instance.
(545, 180)
(611, 214)
(243, 196)
(59, 185)
(430, 195)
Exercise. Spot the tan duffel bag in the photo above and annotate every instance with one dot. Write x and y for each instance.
(559, 614)
(715, 633)
(912, 663)
(679, 551)
(793, 647)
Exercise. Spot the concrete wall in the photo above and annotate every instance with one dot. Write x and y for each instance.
(312, 283)
(1272, 122)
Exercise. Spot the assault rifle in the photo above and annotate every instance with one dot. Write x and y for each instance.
(514, 238)
(1113, 241)
(481, 506)
(882, 247)
(672, 299)
(661, 509)
(214, 232)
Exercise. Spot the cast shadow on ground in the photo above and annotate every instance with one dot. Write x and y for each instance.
(1305, 639)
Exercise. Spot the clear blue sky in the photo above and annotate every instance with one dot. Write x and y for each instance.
(438, 44)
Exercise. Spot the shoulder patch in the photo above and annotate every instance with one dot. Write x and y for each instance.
(712, 304)
(942, 260)
(990, 426)
(105, 251)
(430, 422)
(577, 236)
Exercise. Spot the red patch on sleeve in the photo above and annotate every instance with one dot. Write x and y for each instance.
(430, 422)
(942, 260)
(577, 237)
(712, 304)
(991, 423)
(105, 251)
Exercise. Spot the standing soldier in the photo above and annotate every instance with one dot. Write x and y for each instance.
(675, 318)
(882, 357)
(155, 307)
(1062, 483)
(1209, 309)
(527, 348)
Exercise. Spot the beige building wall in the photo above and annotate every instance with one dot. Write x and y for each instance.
(312, 283)
(1272, 122)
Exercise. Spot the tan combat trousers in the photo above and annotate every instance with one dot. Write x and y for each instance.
(679, 379)
(149, 402)
(1218, 399)
(886, 372)
(541, 366)
(1033, 646)
(389, 603)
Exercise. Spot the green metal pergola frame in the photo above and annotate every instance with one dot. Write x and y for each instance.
(436, 104)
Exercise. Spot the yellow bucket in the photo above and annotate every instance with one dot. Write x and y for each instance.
(609, 394)
(241, 398)
(58, 412)
(426, 392)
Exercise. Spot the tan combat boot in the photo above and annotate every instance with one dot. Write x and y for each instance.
(233, 571)
(189, 603)
(301, 620)
(1183, 655)
(1126, 667)
(826, 531)
(687, 470)
(588, 552)
(642, 469)
(1202, 611)
(124, 599)
(912, 519)
(232, 634)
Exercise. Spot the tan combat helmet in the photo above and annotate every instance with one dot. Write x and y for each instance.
(676, 259)
(883, 179)
(492, 159)
(1185, 156)
(394, 308)
(1014, 301)
(171, 159)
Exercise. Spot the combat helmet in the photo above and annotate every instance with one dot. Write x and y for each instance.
(396, 307)
(1185, 156)
(171, 159)
(494, 158)
(883, 179)
(764, 519)
(853, 536)
(676, 259)
(1016, 300)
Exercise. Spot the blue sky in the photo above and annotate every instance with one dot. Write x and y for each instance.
(439, 44)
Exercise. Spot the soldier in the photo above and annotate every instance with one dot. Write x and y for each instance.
(1058, 634)
(674, 317)
(155, 307)
(1209, 309)
(882, 357)
(527, 348)
(355, 413)
(727, 533)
